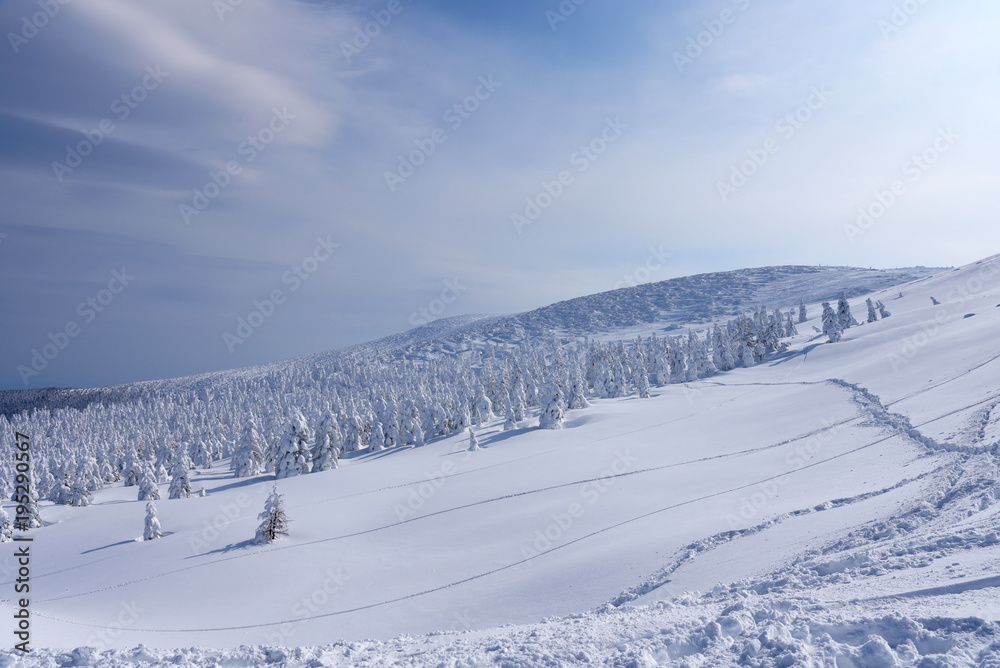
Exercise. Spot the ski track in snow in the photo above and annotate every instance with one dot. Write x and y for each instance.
(878, 415)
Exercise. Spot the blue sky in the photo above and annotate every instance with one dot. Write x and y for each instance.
(292, 134)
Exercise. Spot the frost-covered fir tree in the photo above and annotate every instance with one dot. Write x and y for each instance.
(722, 355)
(180, 482)
(700, 359)
(790, 328)
(640, 380)
(831, 323)
(678, 367)
(203, 453)
(274, 521)
(882, 311)
(803, 315)
(353, 434)
(844, 317)
(61, 492)
(552, 414)
(745, 356)
(577, 398)
(79, 495)
(292, 456)
(377, 440)
(509, 423)
(152, 529)
(473, 441)
(872, 313)
(482, 409)
(329, 442)
(148, 491)
(6, 529)
(249, 458)
(133, 468)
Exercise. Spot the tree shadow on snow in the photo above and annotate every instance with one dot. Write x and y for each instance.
(240, 482)
(789, 355)
(232, 547)
(104, 547)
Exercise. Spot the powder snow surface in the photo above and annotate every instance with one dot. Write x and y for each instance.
(834, 506)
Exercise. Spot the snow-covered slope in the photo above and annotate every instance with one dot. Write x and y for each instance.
(835, 505)
(665, 305)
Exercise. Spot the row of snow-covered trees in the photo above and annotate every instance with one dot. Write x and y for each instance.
(294, 420)
(836, 321)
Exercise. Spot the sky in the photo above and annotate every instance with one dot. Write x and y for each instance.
(196, 185)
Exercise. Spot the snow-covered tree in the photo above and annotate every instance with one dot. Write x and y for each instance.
(640, 380)
(508, 408)
(133, 468)
(482, 409)
(803, 315)
(353, 439)
(274, 521)
(678, 366)
(79, 494)
(152, 529)
(722, 354)
(6, 529)
(473, 441)
(872, 313)
(180, 483)
(844, 317)
(292, 456)
(148, 491)
(790, 328)
(577, 398)
(882, 311)
(831, 323)
(249, 458)
(552, 414)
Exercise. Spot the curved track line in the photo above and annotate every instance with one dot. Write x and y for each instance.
(500, 569)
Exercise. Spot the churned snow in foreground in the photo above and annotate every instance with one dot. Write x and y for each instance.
(836, 505)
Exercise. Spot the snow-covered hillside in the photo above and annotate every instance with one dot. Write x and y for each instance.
(834, 505)
(666, 305)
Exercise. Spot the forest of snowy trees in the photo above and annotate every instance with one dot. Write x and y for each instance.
(292, 422)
